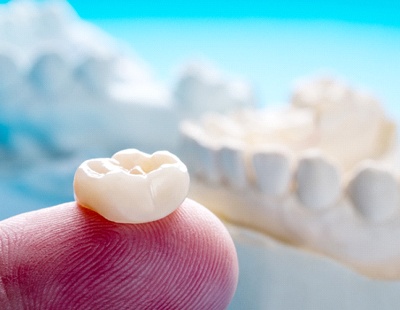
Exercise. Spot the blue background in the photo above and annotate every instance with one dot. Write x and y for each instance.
(371, 12)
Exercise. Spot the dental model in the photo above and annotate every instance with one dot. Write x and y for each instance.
(314, 175)
(131, 186)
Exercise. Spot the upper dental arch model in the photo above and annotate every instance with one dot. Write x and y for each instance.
(319, 174)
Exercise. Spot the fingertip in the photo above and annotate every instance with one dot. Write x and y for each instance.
(68, 256)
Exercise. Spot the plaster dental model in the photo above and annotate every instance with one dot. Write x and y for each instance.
(320, 175)
(131, 241)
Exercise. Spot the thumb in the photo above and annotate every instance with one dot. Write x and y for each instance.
(68, 257)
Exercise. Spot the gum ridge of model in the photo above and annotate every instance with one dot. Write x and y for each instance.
(132, 186)
(319, 174)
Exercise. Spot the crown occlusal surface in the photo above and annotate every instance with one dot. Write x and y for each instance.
(132, 186)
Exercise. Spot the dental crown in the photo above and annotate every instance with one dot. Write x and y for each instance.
(319, 173)
(132, 186)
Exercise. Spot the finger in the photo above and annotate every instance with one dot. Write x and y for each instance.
(68, 257)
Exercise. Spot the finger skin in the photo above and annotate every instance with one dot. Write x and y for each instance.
(69, 257)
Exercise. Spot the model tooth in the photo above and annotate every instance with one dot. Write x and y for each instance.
(50, 73)
(94, 72)
(208, 159)
(232, 166)
(202, 88)
(318, 181)
(374, 192)
(200, 153)
(132, 186)
(189, 153)
(272, 171)
(189, 146)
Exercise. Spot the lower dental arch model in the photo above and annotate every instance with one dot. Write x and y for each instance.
(319, 174)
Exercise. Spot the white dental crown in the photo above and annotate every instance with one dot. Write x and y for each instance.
(132, 186)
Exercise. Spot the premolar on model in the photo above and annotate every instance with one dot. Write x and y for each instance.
(132, 186)
(318, 181)
(272, 169)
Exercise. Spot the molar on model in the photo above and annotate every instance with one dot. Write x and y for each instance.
(94, 72)
(202, 88)
(350, 122)
(50, 73)
(132, 186)
(374, 192)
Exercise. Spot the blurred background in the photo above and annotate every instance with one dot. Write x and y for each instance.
(83, 79)
(266, 45)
